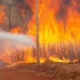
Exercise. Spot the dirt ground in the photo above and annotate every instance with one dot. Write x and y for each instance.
(44, 71)
(20, 75)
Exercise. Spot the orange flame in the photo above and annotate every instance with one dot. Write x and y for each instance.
(2, 14)
(59, 29)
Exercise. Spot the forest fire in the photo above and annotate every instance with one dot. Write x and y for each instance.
(59, 30)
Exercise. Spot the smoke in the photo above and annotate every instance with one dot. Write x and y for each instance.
(25, 12)
(7, 1)
(14, 41)
(62, 13)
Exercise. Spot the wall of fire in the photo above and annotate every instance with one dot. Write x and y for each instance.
(59, 25)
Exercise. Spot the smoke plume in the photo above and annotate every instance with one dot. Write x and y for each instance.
(14, 41)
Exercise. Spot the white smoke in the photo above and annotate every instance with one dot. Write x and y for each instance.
(14, 41)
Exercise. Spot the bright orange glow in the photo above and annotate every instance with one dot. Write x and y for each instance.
(16, 29)
(59, 30)
(2, 14)
(59, 27)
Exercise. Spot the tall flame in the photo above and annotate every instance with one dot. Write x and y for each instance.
(59, 29)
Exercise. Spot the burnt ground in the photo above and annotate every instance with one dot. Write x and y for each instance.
(44, 71)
